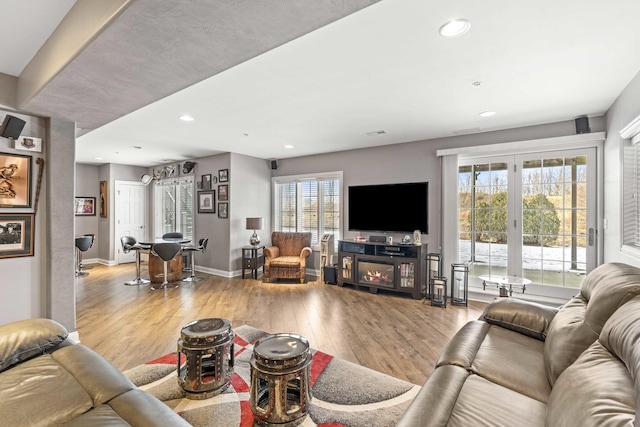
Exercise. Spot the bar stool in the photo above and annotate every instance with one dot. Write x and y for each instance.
(202, 246)
(82, 245)
(93, 238)
(131, 244)
(166, 252)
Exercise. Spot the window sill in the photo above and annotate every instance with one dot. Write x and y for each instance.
(632, 251)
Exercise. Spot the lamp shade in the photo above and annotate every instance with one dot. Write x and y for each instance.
(255, 223)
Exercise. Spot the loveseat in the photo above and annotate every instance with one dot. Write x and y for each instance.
(286, 258)
(46, 380)
(524, 364)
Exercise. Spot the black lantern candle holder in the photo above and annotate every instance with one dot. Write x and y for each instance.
(434, 269)
(459, 284)
(439, 291)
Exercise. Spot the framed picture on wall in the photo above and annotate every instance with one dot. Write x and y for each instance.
(207, 201)
(223, 175)
(15, 181)
(103, 199)
(223, 210)
(223, 192)
(16, 235)
(206, 182)
(85, 206)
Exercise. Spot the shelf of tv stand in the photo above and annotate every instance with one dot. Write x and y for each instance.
(392, 267)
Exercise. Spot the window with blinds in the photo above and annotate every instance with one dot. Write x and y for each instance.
(308, 204)
(630, 188)
(173, 206)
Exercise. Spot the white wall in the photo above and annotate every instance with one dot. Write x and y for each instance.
(622, 112)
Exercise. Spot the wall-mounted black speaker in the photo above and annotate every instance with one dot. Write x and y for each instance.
(12, 127)
(274, 165)
(582, 124)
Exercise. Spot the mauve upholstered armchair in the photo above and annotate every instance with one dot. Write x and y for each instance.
(286, 258)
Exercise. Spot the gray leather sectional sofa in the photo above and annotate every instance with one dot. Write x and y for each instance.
(45, 380)
(524, 364)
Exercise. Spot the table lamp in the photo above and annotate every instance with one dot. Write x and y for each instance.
(254, 224)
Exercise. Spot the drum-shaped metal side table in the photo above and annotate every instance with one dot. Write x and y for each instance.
(280, 380)
(205, 357)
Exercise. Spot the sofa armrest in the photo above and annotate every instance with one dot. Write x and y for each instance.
(25, 339)
(270, 253)
(527, 318)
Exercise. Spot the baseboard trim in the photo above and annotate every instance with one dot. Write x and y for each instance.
(74, 337)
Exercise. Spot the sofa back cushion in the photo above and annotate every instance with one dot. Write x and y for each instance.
(579, 322)
(289, 243)
(602, 386)
(25, 339)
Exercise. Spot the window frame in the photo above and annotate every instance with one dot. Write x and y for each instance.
(298, 180)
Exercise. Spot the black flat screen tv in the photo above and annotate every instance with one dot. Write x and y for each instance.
(389, 207)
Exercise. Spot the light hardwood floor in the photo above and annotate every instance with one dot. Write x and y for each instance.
(388, 332)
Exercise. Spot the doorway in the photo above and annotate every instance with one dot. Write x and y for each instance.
(131, 214)
(530, 215)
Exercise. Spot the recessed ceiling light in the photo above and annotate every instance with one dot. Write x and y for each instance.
(186, 118)
(288, 146)
(487, 113)
(97, 158)
(137, 147)
(455, 28)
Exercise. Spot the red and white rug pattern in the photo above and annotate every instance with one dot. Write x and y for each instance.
(343, 393)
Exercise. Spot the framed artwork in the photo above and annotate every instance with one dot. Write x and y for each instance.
(207, 201)
(223, 175)
(16, 235)
(223, 192)
(15, 181)
(223, 210)
(206, 182)
(103, 199)
(85, 206)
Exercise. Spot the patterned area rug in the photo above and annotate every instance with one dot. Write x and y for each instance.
(343, 393)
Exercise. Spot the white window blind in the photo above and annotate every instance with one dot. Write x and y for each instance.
(173, 206)
(631, 186)
(308, 204)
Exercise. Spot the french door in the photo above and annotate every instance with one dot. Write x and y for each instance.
(530, 215)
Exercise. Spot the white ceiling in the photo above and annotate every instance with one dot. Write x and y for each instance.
(384, 67)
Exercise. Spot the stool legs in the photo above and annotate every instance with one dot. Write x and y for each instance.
(138, 280)
(79, 272)
(192, 277)
(165, 284)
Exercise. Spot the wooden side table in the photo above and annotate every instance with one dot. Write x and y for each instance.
(252, 259)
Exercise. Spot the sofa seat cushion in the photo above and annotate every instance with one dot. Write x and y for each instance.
(453, 397)
(40, 392)
(484, 403)
(500, 355)
(286, 261)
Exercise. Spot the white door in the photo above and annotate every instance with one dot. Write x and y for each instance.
(130, 208)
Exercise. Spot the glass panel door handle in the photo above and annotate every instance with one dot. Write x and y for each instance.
(591, 236)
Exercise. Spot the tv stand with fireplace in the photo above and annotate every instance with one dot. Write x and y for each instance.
(398, 268)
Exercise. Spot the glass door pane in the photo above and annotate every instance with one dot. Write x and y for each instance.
(555, 228)
(483, 217)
